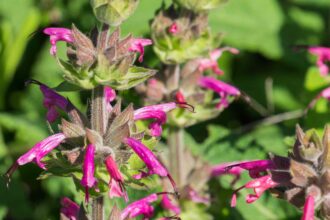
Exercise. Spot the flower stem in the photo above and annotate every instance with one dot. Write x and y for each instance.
(98, 124)
(175, 142)
(97, 208)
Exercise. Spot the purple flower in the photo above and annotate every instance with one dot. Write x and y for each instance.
(223, 89)
(140, 207)
(212, 63)
(138, 45)
(156, 112)
(323, 54)
(173, 29)
(151, 161)
(69, 208)
(58, 34)
(116, 183)
(259, 185)
(52, 101)
(110, 95)
(88, 180)
(169, 205)
(309, 208)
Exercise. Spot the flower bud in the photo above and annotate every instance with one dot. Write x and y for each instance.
(113, 12)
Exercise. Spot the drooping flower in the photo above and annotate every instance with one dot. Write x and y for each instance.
(37, 152)
(173, 29)
(58, 34)
(156, 112)
(259, 185)
(52, 101)
(110, 95)
(212, 63)
(147, 156)
(140, 207)
(69, 208)
(138, 45)
(88, 180)
(223, 89)
(323, 56)
(169, 205)
(116, 183)
(40, 150)
(308, 213)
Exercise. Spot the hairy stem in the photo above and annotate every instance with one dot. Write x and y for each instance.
(97, 208)
(175, 142)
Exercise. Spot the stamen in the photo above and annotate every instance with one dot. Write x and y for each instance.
(32, 81)
(9, 173)
(187, 106)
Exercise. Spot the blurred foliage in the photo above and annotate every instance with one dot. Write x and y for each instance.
(268, 69)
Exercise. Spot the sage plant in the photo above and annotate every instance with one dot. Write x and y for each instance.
(104, 150)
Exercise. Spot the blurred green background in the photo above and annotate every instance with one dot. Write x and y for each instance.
(268, 69)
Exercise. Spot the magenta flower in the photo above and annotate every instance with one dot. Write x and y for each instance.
(52, 101)
(223, 89)
(138, 45)
(309, 208)
(58, 34)
(259, 185)
(169, 205)
(69, 208)
(116, 183)
(150, 160)
(323, 54)
(156, 112)
(110, 95)
(173, 29)
(212, 63)
(40, 150)
(88, 180)
(140, 207)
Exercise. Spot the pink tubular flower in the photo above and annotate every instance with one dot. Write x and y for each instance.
(223, 89)
(58, 34)
(138, 45)
(88, 180)
(173, 29)
(309, 208)
(40, 150)
(212, 63)
(169, 205)
(110, 95)
(140, 207)
(323, 54)
(116, 182)
(156, 112)
(150, 160)
(69, 208)
(259, 185)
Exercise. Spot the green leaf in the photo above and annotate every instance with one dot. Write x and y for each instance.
(314, 81)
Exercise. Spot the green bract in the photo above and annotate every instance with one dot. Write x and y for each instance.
(113, 12)
(105, 60)
(200, 5)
